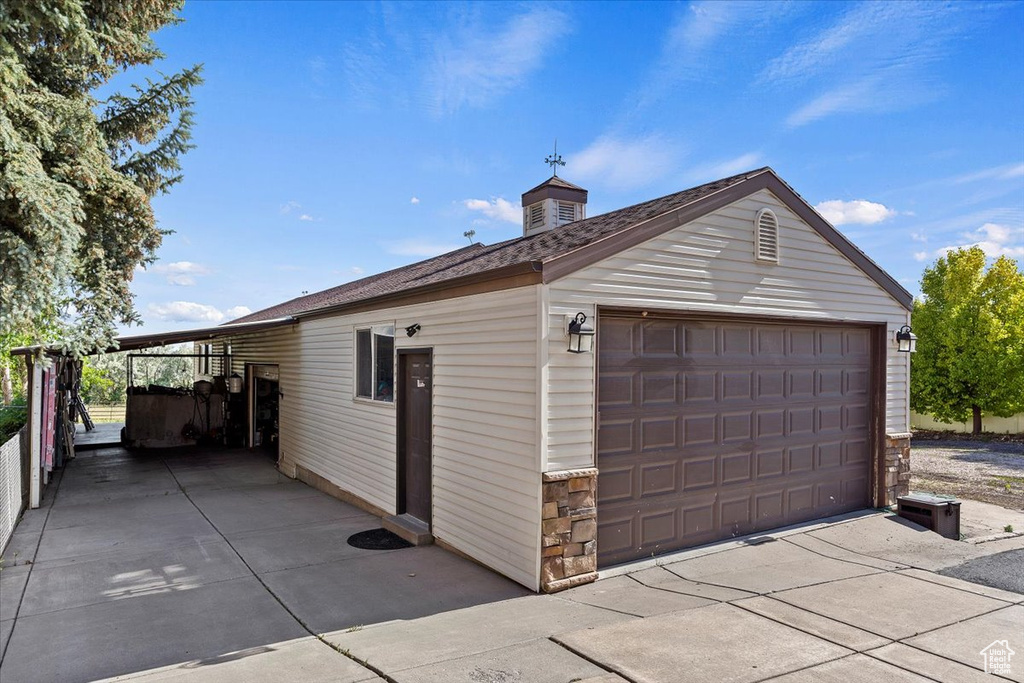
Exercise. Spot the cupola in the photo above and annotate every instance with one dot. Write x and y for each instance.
(553, 203)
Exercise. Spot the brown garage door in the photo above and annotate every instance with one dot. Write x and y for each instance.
(709, 430)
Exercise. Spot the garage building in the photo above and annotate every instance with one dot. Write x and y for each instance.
(743, 375)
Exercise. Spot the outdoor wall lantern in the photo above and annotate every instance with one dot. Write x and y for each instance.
(412, 329)
(906, 341)
(235, 383)
(581, 335)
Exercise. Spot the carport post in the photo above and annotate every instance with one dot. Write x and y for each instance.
(35, 420)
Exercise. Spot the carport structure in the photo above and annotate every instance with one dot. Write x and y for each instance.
(52, 378)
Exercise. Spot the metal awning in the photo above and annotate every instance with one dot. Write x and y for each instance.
(145, 341)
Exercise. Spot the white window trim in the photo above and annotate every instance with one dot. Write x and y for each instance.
(370, 400)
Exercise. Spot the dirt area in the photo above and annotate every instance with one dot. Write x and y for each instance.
(989, 468)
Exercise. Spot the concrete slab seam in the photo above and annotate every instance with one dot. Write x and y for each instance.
(837, 559)
(890, 641)
(601, 665)
(32, 564)
(602, 607)
(854, 552)
(774, 677)
(285, 607)
(693, 595)
(870, 652)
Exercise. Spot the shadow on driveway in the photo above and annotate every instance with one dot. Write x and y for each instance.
(150, 559)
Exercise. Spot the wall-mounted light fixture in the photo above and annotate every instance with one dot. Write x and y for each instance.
(581, 335)
(412, 329)
(906, 341)
(235, 383)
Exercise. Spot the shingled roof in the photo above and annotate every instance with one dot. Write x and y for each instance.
(546, 247)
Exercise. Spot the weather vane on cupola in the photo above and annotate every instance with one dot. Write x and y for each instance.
(554, 161)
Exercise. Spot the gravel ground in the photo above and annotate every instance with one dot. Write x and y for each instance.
(998, 571)
(992, 472)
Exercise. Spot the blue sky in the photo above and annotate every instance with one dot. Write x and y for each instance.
(336, 140)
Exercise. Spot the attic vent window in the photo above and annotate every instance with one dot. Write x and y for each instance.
(536, 215)
(566, 212)
(766, 247)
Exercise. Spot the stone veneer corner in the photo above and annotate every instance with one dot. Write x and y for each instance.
(568, 529)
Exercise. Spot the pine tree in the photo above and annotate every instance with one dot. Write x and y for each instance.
(77, 173)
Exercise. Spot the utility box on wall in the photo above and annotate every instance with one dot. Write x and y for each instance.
(941, 515)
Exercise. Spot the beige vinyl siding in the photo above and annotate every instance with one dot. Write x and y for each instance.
(486, 461)
(708, 265)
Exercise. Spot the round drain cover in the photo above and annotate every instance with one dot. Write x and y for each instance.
(377, 539)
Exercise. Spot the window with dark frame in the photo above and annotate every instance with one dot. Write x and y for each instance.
(375, 363)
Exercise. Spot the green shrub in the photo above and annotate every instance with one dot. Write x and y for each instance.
(12, 418)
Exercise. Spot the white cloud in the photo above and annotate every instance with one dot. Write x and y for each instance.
(858, 211)
(995, 240)
(625, 164)
(306, 217)
(186, 311)
(418, 247)
(480, 64)
(414, 200)
(691, 52)
(920, 255)
(181, 273)
(288, 207)
(875, 58)
(918, 236)
(1006, 172)
(356, 270)
(237, 312)
(726, 168)
(497, 209)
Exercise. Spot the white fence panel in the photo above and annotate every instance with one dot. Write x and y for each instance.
(10, 485)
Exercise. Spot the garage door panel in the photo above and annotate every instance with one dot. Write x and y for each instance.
(771, 424)
(699, 472)
(737, 468)
(736, 385)
(659, 340)
(800, 384)
(699, 386)
(699, 430)
(658, 388)
(771, 342)
(616, 485)
(616, 436)
(770, 385)
(709, 430)
(737, 342)
(660, 477)
(770, 463)
(618, 390)
(658, 433)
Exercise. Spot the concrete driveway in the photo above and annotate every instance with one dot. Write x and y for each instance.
(213, 567)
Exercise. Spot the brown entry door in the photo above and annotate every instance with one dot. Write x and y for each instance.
(713, 429)
(414, 447)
